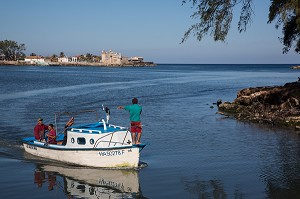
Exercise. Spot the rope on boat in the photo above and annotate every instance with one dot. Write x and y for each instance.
(125, 137)
(96, 144)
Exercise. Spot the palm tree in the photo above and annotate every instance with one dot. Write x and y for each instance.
(62, 54)
(54, 58)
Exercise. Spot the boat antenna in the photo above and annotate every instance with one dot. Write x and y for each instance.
(107, 111)
(55, 122)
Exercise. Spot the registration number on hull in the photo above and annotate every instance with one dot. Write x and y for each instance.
(112, 153)
(31, 147)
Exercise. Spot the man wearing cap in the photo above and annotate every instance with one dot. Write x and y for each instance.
(39, 130)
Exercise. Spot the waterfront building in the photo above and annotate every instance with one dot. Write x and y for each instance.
(74, 59)
(136, 59)
(63, 59)
(113, 58)
(34, 59)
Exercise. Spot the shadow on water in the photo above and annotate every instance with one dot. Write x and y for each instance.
(208, 189)
(275, 155)
(214, 189)
(82, 182)
(281, 173)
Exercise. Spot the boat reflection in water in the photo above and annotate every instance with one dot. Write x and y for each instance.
(85, 182)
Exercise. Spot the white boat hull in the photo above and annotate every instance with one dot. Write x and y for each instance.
(93, 145)
(118, 157)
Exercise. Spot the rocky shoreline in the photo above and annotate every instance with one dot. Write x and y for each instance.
(295, 67)
(23, 63)
(276, 105)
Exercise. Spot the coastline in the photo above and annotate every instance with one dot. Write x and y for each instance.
(274, 105)
(295, 67)
(23, 63)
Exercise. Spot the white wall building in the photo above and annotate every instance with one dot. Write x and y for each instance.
(74, 59)
(137, 59)
(63, 59)
(34, 59)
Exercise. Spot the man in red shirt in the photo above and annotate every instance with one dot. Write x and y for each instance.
(39, 130)
(51, 135)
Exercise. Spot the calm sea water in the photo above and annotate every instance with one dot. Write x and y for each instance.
(191, 151)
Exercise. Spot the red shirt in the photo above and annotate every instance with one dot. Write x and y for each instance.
(52, 137)
(39, 131)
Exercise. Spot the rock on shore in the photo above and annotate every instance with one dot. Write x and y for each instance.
(295, 67)
(277, 105)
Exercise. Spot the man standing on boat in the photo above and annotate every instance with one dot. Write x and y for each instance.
(135, 111)
(39, 130)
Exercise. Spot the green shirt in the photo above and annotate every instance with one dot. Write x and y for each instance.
(135, 111)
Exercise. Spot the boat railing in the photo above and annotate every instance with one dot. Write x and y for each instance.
(105, 126)
(85, 130)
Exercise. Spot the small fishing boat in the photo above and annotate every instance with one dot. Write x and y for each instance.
(97, 144)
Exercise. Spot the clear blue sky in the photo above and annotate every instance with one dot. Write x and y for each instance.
(151, 29)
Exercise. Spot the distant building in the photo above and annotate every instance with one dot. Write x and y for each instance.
(136, 59)
(34, 59)
(63, 59)
(113, 58)
(74, 59)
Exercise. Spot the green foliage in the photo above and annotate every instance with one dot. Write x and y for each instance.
(215, 17)
(88, 57)
(53, 58)
(11, 50)
(287, 14)
(62, 54)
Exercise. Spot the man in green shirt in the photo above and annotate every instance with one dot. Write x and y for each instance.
(135, 111)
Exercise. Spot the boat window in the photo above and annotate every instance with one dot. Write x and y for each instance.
(72, 140)
(81, 140)
(92, 141)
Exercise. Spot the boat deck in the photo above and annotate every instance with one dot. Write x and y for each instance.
(96, 128)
